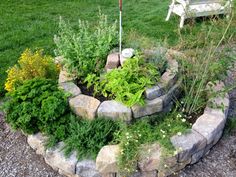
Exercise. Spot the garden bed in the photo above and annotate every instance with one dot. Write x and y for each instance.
(158, 98)
(190, 148)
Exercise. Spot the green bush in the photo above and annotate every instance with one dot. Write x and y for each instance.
(36, 106)
(85, 48)
(126, 84)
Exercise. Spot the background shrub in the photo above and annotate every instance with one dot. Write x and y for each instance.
(85, 48)
(36, 106)
(31, 65)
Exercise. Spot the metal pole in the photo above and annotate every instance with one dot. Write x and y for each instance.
(120, 46)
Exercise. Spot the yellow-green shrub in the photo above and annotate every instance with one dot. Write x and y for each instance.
(31, 65)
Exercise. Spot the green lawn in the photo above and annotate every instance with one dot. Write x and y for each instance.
(32, 23)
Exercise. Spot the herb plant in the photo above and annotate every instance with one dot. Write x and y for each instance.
(36, 106)
(31, 65)
(126, 84)
(85, 48)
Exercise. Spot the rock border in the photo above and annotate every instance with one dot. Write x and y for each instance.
(157, 98)
(191, 147)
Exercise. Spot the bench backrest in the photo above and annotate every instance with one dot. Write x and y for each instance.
(205, 1)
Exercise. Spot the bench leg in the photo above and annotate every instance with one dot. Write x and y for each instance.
(170, 10)
(169, 13)
(181, 25)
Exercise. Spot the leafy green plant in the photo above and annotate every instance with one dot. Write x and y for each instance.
(88, 137)
(85, 48)
(36, 106)
(152, 129)
(126, 84)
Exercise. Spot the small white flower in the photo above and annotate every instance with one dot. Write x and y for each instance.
(165, 166)
(163, 136)
(168, 125)
(179, 133)
(162, 131)
(183, 120)
(175, 153)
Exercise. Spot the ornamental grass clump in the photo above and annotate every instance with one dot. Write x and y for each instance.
(31, 65)
(85, 48)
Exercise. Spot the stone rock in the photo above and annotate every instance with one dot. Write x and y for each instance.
(168, 79)
(84, 106)
(67, 174)
(172, 94)
(215, 111)
(154, 92)
(56, 159)
(150, 107)
(217, 137)
(58, 59)
(127, 53)
(114, 110)
(87, 168)
(197, 156)
(144, 174)
(150, 157)
(37, 142)
(71, 88)
(188, 144)
(173, 66)
(209, 125)
(64, 77)
(113, 61)
(220, 103)
(106, 161)
(167, 171)
(173, 54)
(109, 175)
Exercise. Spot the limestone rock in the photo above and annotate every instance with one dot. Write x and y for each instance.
(196, 157)
(64, 77)
(188, 144)
(87, 168)
(172, 94)
(154, 92)
(209, 126)
(150, 157)
(106, 161)
(145, 174)
(37, 142)
(84, 106)
(114, 110)
(168, 79)
(71, 88)
(128, 52)
(56, 159)
(150, 107)
(58, 59)
(113, 61)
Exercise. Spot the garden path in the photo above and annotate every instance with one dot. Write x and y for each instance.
(17, 159)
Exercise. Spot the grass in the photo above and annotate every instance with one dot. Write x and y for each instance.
(32, 24)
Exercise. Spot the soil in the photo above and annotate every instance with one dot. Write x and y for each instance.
(90, 91)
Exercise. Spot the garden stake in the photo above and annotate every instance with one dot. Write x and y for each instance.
(120, 4)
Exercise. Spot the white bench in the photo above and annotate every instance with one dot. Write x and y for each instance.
(198, 8)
